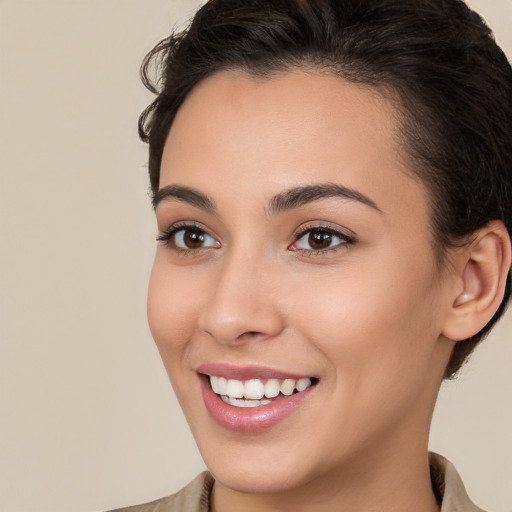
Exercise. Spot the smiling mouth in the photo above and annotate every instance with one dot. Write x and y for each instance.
(257, 392)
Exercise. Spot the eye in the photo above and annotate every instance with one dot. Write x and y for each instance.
(320, 239)
(188, 237)
(193, 238)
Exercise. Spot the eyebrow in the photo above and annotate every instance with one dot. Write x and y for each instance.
(299, 196)
(186, 195)
(289, 199)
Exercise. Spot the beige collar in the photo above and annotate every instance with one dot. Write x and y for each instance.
(448, 486)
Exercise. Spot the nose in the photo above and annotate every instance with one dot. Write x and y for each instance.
(243, 302)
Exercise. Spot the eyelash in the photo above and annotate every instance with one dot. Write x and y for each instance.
(166, 237)
(346, 240)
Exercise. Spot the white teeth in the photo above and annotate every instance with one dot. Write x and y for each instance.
(219, 384)
(214, 381)
(222, 384)
(237, 402)
(252, 391)
(272, 388)
(303, 384)
(288, 387)
(235, 388)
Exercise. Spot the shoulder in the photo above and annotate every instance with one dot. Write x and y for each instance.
(194, 497)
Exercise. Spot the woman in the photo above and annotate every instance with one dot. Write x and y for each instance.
(332, 183)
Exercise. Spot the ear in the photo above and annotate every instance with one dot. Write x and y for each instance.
(482, 268)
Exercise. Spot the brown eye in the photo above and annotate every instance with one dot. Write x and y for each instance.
(320, 240)
(193, 238)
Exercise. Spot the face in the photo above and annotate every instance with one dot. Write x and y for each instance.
(295, 274)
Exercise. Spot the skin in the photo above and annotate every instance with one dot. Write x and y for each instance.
(365, 318)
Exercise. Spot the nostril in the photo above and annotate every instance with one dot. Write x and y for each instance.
(250, 334)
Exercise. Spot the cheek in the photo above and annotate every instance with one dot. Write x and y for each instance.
(378, 340)
(172, 308)
(372, 325)
(172, 315)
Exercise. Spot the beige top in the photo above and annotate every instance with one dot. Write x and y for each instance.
(195, 497)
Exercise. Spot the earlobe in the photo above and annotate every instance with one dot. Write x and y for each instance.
(482, 268)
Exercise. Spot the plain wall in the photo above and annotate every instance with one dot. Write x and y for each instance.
(88, 421)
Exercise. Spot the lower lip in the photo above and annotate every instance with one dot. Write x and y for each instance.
(251, 419)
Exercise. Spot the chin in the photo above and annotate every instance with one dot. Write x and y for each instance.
(258, 466)
(252, 479)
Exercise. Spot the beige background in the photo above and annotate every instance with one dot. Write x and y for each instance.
(87, 419)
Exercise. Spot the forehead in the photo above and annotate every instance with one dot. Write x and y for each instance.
(254, 136)
(284, 109)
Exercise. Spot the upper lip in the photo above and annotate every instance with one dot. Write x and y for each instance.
(247, 372)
